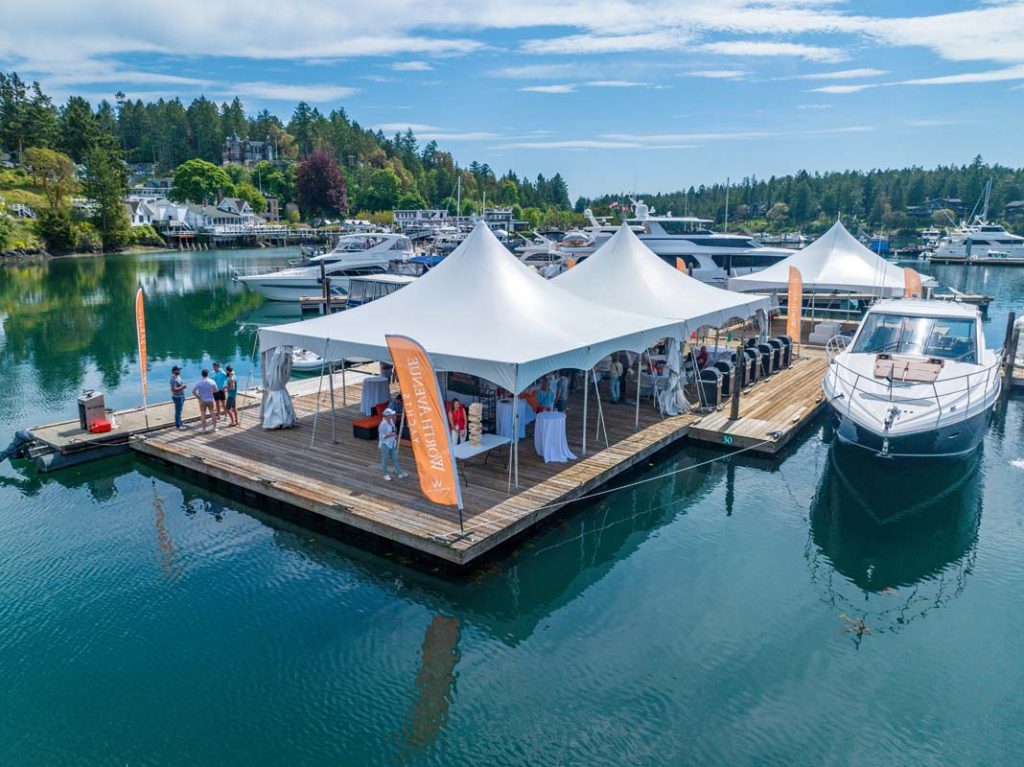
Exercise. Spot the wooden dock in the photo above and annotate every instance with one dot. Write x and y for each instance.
(772, 411)
(337, 477)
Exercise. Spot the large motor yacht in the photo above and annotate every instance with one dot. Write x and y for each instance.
(354, 255)
(916, 381)
(709, 256)
(976, 242)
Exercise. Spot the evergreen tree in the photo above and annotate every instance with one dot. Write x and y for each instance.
(205, 130)
(106, 184)
(78, 129)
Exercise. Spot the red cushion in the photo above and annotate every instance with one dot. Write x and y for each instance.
(369, 422)
(379, 408)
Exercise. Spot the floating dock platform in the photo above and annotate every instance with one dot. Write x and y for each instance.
(335, 476)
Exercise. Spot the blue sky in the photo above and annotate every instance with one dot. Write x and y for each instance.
(617, 95)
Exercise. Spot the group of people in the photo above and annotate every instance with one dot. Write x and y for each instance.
(217, 393)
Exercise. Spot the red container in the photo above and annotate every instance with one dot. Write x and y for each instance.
(99, 426)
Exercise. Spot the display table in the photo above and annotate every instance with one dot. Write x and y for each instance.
(376, 389)
(466, 450)
(504, 417)
(549, 438)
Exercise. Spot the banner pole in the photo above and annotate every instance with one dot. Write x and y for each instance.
(334, 412)
(586, 393)
(140, 335)
(639, 357)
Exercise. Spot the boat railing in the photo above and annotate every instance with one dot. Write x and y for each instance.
(887, 387)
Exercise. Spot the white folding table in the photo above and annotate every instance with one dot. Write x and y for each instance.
(466, 450)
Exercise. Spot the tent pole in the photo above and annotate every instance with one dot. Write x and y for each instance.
(640, 356)
(600, 415)
(319, 392)
(586, 392)
(344, 386)
(334, 412)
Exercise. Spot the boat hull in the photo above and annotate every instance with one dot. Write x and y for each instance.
(292, 290)
(949, 441)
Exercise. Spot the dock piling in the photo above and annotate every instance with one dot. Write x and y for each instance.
(1010, 351)
(734, 407)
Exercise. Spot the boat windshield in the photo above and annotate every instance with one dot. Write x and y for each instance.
(947, 337)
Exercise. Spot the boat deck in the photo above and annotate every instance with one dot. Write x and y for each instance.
(338, 477)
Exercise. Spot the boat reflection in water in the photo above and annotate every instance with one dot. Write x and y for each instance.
(885, 550)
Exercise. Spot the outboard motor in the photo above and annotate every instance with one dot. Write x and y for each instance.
(754, 359)
(776, 345)
(766, 360)
(787, 350)
(17, 447)
(710, 383)
(728, 372)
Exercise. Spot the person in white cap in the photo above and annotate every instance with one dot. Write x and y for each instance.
(387, 441)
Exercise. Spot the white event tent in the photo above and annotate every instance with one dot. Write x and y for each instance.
(481, 311)
(626, 273)
(836, 261)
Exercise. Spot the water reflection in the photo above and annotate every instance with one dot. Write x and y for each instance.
(435, 683)
(65, 318)
(884, 553)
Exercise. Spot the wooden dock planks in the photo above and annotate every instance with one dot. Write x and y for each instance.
(341, 479)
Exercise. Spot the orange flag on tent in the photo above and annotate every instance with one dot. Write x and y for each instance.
(427, 419)
(794, 304)
(912, 284)
(680, 264)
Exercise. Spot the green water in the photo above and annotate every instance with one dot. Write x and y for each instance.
(810, 612)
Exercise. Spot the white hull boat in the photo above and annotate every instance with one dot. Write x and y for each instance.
(355, 255)
(916, 381)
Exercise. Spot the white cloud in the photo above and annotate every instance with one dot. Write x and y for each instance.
(716, 74)
(537, 72)
(614, 84)
(434, 133)
(287, 92)
(660, 40)
(561, 88)
(845, 74)
(844, 88)
(697, 138)
(589, 144)
(990, 76)
(814, 106)
(765, 48)
(412, 66)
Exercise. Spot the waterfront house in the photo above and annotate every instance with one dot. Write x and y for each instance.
(239, 207)
(246, 152)
(417, 219)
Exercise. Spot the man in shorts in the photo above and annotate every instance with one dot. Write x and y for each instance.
(231, 403)
(205, 390)
(221, 379)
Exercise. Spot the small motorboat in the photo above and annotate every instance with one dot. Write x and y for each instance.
(916, 381)
(305, 360)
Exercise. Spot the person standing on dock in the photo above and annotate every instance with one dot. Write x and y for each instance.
(231, 403)
(615, 380)
(387, 441)
(457, 422)
(561, 391)
(545, 396)
(220, 396)
(178, 396)
(205, 390)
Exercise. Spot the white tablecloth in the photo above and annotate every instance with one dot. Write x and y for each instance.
(504, 417)
(466, 450)
(376, 389)
(549, 438)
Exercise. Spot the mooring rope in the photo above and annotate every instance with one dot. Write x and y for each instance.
(598, 493)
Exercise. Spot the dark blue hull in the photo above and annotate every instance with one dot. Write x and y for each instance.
(952, 441)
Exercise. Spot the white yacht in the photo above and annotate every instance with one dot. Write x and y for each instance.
(709, 256)
(354, 255)
(968, 243)
(916, 381)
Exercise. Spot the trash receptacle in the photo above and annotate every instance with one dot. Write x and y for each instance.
(787, 350)
(765, 352)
